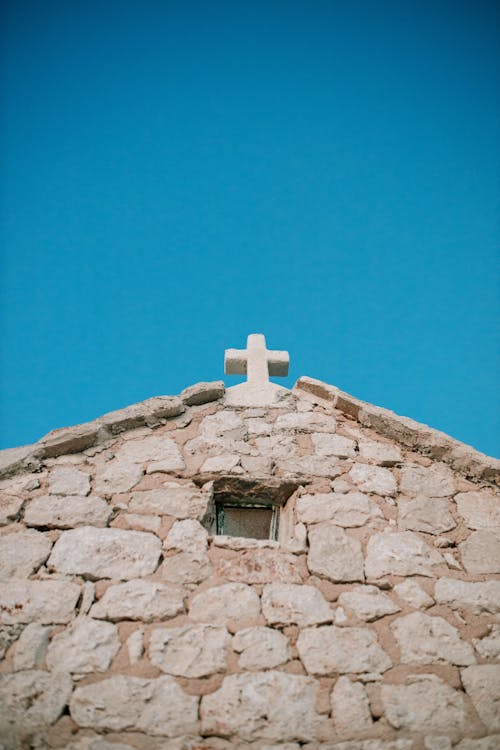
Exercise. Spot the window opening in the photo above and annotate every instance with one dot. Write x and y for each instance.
(249, 520)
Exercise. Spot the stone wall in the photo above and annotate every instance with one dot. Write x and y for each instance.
(371, 624)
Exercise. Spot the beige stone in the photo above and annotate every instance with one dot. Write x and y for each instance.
(277, 446)
(269, 706)
(65, 480)
(384, 454)
(373, 479)
(139, 600)
(55, 511)
(369, 745)
(179, 500)
(261, 648)
(314, 466)
(260, 566)
(105, 553)
(221, 463)
(239, 543)
(219, 604)
(425, 701)
(185, 568)
(350, 707)
(87, 645)
(153, 448)
(203, 393)
(411, 593)
(368, 603)
(430, 515)
(141, 522)
(116, 476)
(306, 422)
(427, 640)
(31, 647)
(31, 700)
(135, 646)
(333, 445)
(485, 743)
(334, 554)
(190, 651)
(187, 536)
(45, 602)
(400, 553)
(436, 480)
(329, 649)
(489, 646)
(481, 510)
(483, 596)
(225, 424)
(22, 553)
(289, 603)
(482, 685)
(480, 553)
(158, 706)
(10, 506)
(347, 510)
(96, 743)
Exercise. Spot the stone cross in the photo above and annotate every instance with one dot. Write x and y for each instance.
(256, 362)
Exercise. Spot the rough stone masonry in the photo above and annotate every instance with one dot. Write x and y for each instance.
(370, 623)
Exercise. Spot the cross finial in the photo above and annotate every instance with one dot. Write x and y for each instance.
(257, 363)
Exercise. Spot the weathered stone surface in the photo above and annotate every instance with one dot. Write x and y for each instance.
(333, 445)
(55, 511)
(45, 602)
(30, 700)
(384, 454)
(231, 601)
(480, 553)
(368, 603)
(179, 500)
(141, 522)
(148, 412)
(68, 439)
(482, 685)
(270, 706)
(87, 645)
(239, 543)
(135, 646)
(261, 648)
(369, 745)
(105, 553)
(317, 466)
(8, 635)
(489, 646)
(22, 552)
(190, 651)
(485, 743)
(260, 566)
(481, 510)
(96, 743)
(411, 593)
(31, 647)
(186, 568)
(152, 448)
(66, 480)
(224, 424)
(350, 707)
(116, 476)
(203, 393)
(187, 536)
(399, 553)
(373, 479)
(425, 514)
(289, 603)
(306, 422)
(426, 640)
(436, 480)
(224, 462)
(347, 510)
(425, 701)
(330, 649)
(158, 707)
(139, 600)
(10, 505)
(334, 554)
(277, 446)
(478, 597)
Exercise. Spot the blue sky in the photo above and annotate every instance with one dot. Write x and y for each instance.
(176, 175)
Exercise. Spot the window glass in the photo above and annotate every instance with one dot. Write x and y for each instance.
(246, 521)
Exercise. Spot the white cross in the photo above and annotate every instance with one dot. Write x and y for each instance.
(256, 362)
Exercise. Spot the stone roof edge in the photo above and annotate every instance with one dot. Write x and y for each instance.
(413, 435)
(79, 437)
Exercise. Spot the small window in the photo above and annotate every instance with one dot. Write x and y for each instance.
(252, 521)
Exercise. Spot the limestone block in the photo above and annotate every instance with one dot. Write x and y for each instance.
(260, 566)
(310, 421)
(224, 462)
(8, 635)
(225, 424)
(384, 454)
(96, 743)
(368, 603)
(315, 466)
(141, 522)
(489, 646)
(261, 648)
(158, 707)
(437, 742)
(334, 554)
(185, 568)
(290, 603)
(333, 445)
(66, 480)
(190, 651)
(45, 602)
(481, 510)
(152, 448)
(179, 500)
(400, 553)
(231, 601)
(430, 515)
(276, 446)
(350, 707)
(482, 685)
(478, 597)
(203, 393)
(330, 649)
(238, 543)
(87, 645)
(373, 479)
(347, 510)
(31, 700)
(411, 593)
(31, 647)
(139, 600)
(116, 476)
(269, 705)
(10, 505)
(258, 426)
(436, 480)
(485, 743)
(135, 646)
(426, 640)
(187, 536)
(480, 553)
(55, 511)
(369, 745)
(105, 553)
(22, 552)
(425, 701)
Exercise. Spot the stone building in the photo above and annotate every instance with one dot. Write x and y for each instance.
(248, 568)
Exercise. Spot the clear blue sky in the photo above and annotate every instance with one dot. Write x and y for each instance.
(176, 175)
